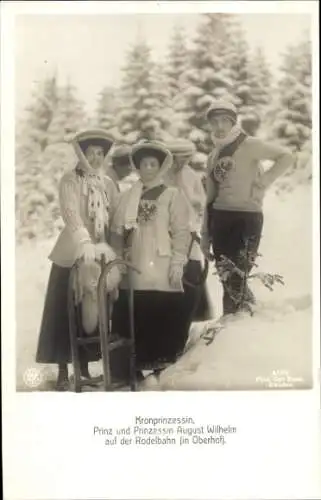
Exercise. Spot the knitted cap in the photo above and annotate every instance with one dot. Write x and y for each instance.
(219, 108)
(181, 147)
(94, 137)
(149, 148)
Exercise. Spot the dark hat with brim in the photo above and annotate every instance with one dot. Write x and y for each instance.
(151, 148)
(121, 154)
(222, 108)
(94, 137)
(181, 148)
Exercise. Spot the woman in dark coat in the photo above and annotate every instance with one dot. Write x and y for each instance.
(87, 202)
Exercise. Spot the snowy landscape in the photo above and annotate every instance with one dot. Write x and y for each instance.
(272, 349)
(164, 100)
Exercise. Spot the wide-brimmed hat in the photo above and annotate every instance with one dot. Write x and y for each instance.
(93, 137)
(219, 108)
(150, 148)
(181, 148)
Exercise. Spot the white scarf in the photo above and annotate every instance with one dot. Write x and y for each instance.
(92, 185)
(232, 135)
(219, 144)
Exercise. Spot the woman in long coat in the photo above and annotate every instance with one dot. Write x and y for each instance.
(87, 202)
(190, 183)
(151, 229)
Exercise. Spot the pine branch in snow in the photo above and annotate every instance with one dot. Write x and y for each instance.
(226, 269)
(268, 280)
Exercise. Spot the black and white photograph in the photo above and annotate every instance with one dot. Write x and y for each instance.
(160, 250)
(163, 202)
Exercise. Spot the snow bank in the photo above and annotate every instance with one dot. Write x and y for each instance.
(274, 347)
(271, 349)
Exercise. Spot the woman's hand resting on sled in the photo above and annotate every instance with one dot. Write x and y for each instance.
(87, 251)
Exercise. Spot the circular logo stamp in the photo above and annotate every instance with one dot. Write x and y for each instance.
(33, 377)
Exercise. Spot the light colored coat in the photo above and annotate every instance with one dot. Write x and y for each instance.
(74, 211)
(190, 184)
(171, 223)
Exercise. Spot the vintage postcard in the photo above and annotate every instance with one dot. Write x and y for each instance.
(160, 243)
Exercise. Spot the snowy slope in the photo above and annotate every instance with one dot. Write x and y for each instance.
(245, 353)
(252, 352)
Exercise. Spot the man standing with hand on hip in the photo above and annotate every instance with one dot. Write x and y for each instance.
(235, 186)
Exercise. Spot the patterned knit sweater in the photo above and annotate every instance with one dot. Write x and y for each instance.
(244, 185)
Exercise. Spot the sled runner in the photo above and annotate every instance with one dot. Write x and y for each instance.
(108, 342)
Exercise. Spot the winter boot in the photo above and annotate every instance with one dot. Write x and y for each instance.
(62, 383)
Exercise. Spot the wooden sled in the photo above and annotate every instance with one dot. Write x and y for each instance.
(108, 342)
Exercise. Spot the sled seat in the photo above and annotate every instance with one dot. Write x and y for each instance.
(108, 342)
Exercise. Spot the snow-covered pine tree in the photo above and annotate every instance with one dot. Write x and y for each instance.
(138, 117)
(41, 111)
(262, 79)
(293, 123)
(177, 61)
(177, 64)
(69, 116)
(39, 168)
(37, 180)
(164, 113)
(107, 110)
(31, 140)
(237, 57)
(207, 77)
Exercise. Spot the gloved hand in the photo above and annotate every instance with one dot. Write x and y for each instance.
(87, 251)
(106, 250)
(113, 279)
(176, 271)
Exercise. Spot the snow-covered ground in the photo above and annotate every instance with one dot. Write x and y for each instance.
(272, 347)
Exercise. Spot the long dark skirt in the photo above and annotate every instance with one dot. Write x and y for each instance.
(196, 298)
(232, 232)
(54, 339)
(161, 325)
